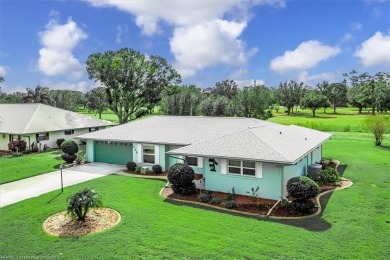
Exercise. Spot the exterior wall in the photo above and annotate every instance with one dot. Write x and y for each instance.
(317, 154)
(4, 140)
(269, 183)
(299, 169)
(159, 157)
(113, 152)
(90, 150)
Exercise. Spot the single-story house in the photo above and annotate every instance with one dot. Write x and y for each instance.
(228, 151)
(43, 124)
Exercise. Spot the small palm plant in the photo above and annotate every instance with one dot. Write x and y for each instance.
(81, 202)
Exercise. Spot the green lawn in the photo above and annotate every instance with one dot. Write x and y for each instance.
(107, 115)
(354, 225)
(28, 165)
(346, 119)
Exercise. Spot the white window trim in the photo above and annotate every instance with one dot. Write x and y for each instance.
(142, 153)
(257, 168)
(197, 161)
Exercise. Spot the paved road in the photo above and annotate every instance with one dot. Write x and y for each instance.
(32, 187)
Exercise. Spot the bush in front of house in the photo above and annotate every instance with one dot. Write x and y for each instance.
(69, 158)
(181, 177)
(131, 166)
(59, 142)
(206, 196)
(69, 147)
(329, 176)
(215, 200)
(17, 146)
(156, 169)
(230, 204)
(302, 189)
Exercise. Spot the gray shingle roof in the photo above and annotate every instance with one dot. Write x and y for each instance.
(228, 137)
(180, 130)
(35, 118)
(271, 143)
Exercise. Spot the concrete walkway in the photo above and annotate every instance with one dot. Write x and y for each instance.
(32, 187)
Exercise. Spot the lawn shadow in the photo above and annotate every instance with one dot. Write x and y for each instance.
(384, 147)
(315, 224)
(56, 196)
(341, 168)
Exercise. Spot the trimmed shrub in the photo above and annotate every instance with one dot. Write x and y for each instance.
(69, 158)
(70, 147)
(230, 204)
(303, 205)
(59, 142)
(17, 145)
(181, 177)
(329, 176)
(204, 197)
(138, 169)
(131, 166)
(302, 187)
(215, 200)
(81, 202)
(156, 169)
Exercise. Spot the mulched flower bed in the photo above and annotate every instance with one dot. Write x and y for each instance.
(246, 204)
(149, 173)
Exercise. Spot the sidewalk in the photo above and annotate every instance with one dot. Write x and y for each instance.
(32, 187)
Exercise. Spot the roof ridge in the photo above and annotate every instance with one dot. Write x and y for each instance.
(31, 119)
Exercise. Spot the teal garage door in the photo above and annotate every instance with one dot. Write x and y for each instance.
(113, 152)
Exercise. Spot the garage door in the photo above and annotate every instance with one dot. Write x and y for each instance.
(113, 152)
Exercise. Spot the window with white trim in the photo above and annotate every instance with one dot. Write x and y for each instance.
(247, 168)
(192, 161)
(68, 132)
(42, 136)
(148, 153)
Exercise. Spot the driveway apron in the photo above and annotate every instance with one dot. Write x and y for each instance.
(32, 187)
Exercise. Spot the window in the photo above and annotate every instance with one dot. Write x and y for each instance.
(242, 167)
(93, 129)
(68, 132)
(42, 136)
(148, 153)
(192, 161)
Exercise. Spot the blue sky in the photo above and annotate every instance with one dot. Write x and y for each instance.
(48, 42)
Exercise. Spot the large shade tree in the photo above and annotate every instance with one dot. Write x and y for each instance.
(97, 100)
(132, 79)
(313, 99)
(289, 93)
(335, 92)
(37, 95)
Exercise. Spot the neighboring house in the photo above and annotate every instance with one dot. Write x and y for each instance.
(247, 152)
(43, 124)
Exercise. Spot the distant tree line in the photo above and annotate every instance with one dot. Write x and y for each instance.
(133, 84)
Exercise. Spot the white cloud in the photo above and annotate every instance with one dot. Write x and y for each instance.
(2, 71)
(249, 82)
(347, 37)
(82, 86)
(375, 50)
(58, 42)
(312, 80)
(120, 30)
(306, 55)
(202, 36)
(207, 45)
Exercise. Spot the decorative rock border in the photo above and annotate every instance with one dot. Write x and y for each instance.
(318, 212)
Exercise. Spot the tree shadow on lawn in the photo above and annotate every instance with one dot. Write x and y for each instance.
(384, 147)
(316, 224)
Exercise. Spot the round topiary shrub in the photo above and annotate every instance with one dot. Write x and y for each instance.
(181, 176)
(69, 158)
(156, 169)
(70, 147)
(59, 142)
(131, 166)
(302, 187)
(303, 205)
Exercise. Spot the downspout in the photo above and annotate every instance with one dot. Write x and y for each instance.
(282, 184)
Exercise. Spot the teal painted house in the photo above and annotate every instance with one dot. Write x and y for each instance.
(229, 152)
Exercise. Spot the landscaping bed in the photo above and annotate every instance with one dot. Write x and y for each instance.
(148, 173)
(248, 204)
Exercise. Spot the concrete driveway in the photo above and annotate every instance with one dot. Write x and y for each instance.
(32, 187)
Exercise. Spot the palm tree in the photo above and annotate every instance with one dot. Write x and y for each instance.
(81, 202)
(39, 95)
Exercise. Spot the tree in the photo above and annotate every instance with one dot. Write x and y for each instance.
(97, 100)
(288, 94)
(37, 95)
(1, 79)
(181, 100)
(67, 99)
(215, 106)
(313, 99)
(335, 92)
(130, 79)
(378, 126)
(227, 88)
(81, 202)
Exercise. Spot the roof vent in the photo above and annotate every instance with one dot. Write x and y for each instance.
(255, 126)
(280, 132)
(305, 138)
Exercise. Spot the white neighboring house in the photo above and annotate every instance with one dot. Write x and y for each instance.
(43, 124)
